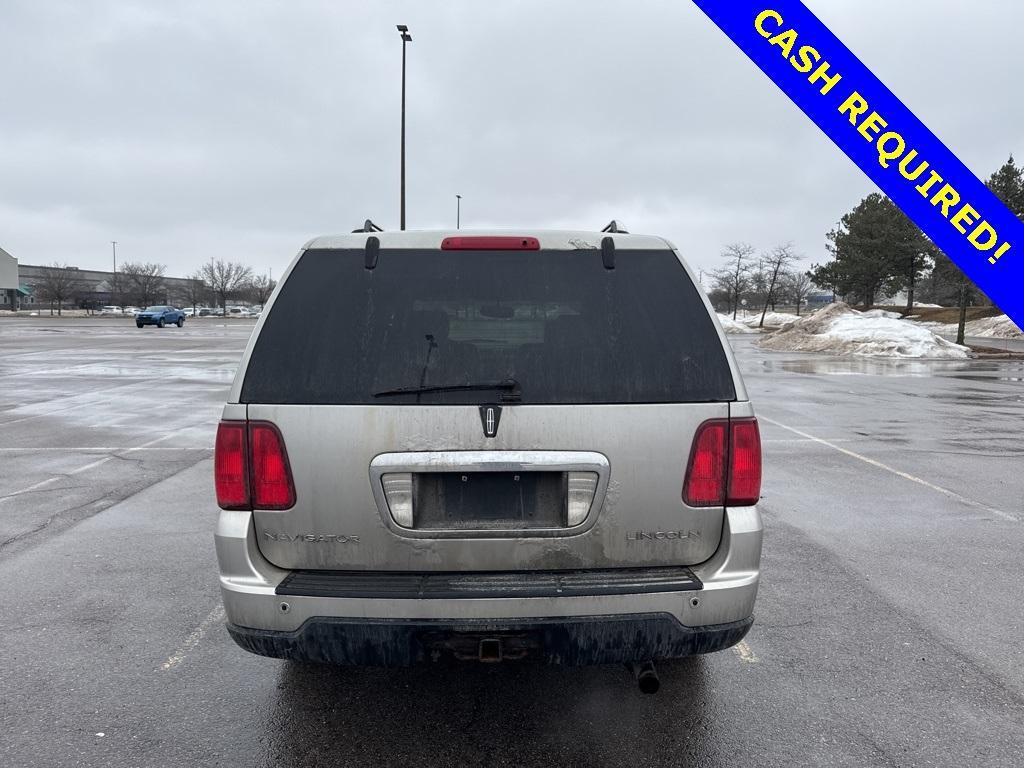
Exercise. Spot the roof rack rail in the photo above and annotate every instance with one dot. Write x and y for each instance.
(615, 228)
(369, 226)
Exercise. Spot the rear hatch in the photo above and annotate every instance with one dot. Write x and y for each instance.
(487, 409)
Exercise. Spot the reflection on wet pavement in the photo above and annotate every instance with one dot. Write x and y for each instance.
(968, 370)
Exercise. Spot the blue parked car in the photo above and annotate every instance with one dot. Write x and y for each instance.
(160, 316)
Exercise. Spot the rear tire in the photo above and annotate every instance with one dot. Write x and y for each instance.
(181, 322)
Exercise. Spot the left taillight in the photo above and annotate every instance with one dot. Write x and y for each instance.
(250, 467)
(230, 466)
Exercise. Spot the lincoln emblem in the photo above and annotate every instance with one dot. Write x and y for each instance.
(490, 415)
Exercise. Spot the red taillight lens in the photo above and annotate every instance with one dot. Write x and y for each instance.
(490, 243)
(725, 465)
(230, 474)
(705, 477)
(272, 486)
(744, 464)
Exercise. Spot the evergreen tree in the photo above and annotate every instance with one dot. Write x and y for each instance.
(1008, 185)
(875, 248)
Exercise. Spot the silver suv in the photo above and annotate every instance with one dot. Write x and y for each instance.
(488, 447)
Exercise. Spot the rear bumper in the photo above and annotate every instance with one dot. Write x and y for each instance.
(268, 615)
(570, 641)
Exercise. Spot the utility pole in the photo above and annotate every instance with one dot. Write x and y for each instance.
(403, 30)
(113, 283)
(458, 211)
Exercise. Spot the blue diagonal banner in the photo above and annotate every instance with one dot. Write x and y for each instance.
(884, 138)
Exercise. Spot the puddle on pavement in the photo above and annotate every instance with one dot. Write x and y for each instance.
(172, 373)
(866, 366)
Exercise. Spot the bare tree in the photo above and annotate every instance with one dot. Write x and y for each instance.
(58, 284)
(798, 285)
(775, 264)
(734, 277)
(195, 291)
(225, 278)
(261, 287)
(144, 283)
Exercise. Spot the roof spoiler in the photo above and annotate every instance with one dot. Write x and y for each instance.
(372, 251)
(608, 245)
(608, 253)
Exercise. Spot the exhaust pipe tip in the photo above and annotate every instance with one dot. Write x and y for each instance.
(646, 677)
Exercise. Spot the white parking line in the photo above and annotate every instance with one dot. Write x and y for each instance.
(215, 617)
(898, 473)
(107, 449)
(91, 465)
(797, 439)
(746, 655)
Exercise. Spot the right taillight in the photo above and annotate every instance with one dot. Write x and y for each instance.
(744, 463)
(725, 464)
(250, 467)
(230, 465)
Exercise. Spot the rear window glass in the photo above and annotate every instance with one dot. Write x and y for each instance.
(557, 323)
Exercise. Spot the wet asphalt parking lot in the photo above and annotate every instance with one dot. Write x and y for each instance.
(888, 625)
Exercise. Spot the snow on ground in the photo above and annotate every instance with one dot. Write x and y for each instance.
(1000, 327)
(733, 326)
(839, 330)
(771, 319)
(750, 322)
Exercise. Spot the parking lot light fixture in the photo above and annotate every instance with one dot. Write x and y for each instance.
(403, 30)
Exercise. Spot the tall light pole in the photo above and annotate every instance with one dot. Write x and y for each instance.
(403, 30)
(113, 282)
(458, 211)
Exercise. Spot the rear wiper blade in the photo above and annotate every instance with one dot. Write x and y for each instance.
(511, 387)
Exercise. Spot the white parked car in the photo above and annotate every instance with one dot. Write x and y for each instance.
(111, 310)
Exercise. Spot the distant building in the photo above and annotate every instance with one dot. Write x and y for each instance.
(819, 299)
(97, 288)
(11, 291)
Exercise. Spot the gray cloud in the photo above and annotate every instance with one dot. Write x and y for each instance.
(241, 129)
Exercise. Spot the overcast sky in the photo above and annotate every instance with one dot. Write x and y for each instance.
(241, 129)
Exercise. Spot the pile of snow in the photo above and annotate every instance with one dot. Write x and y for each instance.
(771, 319)
(1000, 327)
(839, 330)
(750, 322)
(733, 326)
